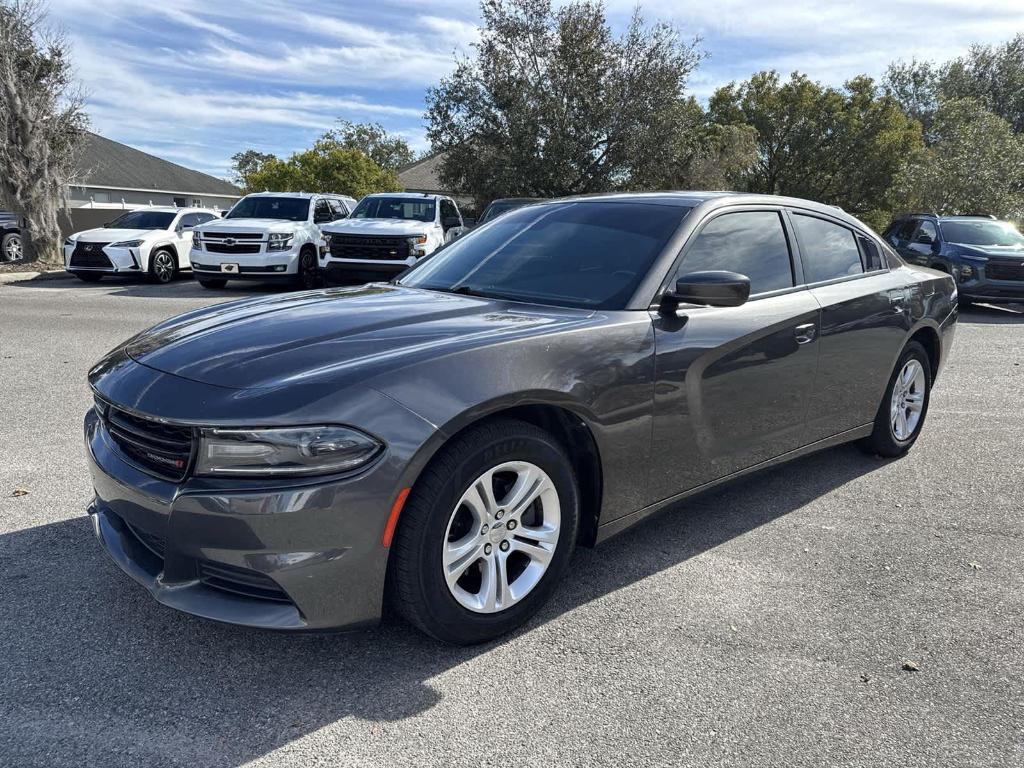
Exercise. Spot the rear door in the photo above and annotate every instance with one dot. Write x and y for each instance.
(864, 321)
(733, 382)
(924, 243)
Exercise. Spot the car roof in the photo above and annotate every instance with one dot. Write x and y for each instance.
(298, 195)
(411, 195)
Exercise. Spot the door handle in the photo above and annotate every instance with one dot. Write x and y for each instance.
(898, 299)
(805, 333)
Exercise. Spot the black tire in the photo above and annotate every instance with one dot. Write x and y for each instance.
(883, 440)
(211, 284)
(308, 276)
(11, 247)
(416, 583)
(163, 266)
(89, 277)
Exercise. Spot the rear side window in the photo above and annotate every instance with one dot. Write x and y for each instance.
(752, 243)
(906, 229)
(870, 254)
(827, 250)
(929, 230)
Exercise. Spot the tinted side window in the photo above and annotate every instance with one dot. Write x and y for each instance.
(448, 209)
(827, 250)
(202, 218)
(906, 229)
(338, 211)
(752, 243)
(189, 220)
(871, 255)
(322, 212)
(928, 228)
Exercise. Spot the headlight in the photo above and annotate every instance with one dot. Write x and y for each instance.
(127, 244)
(70, 242)
(418, 240)
(279, 241)
(288, 451)
(327, 239)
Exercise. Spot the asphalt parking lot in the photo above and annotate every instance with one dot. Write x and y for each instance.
(767, 624)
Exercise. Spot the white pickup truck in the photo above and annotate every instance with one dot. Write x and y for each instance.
(389, 232)
(267, 236)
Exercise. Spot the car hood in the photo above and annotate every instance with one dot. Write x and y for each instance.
(343, 335)
(107, 235)
(989, 251)
(251, 225)
(394, 227)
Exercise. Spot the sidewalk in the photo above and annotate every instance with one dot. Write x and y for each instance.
(18, 277)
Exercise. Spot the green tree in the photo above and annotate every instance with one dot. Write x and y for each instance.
(42, 123)
(245, 164)
(326, 167)
(915, 85)
(993, 75)
(843, 146)
(386, 150)
(976, 165)
(552, 103)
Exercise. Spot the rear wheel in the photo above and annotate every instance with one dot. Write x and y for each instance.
(211, 284)
(89, 277)
(163, 266)
(904, 406)
(486, 535)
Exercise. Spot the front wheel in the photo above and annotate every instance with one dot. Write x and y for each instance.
(11, 247)
(486, 534)
(904, 406)
(163, 266)
(308, 276)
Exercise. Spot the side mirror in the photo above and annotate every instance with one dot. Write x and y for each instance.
(451, 221)
(712, 289)
(925, 239)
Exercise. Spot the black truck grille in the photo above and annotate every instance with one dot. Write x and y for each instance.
(1005, 270)
(90, 256)
(240, 581)
(232, 235)
(213, 247)
(161, 449)
(360, 247)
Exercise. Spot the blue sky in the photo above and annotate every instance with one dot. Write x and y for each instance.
(195, 81)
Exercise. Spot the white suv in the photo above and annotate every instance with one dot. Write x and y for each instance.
(147, 241)
(268, 235)
(389, 232)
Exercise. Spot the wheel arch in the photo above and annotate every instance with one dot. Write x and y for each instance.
(566, 424)
(928, 337)
(160, 247)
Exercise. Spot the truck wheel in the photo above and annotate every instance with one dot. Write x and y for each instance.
(11, 248)
(308, 276)
(211, 284)
(486, 534)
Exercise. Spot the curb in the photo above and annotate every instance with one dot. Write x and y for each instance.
(35, 277)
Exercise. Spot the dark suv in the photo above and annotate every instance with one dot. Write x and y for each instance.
(984, 255)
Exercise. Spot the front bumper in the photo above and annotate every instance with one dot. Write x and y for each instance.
(251, 266)
(988, 283)
(119, 261)
(297, 557)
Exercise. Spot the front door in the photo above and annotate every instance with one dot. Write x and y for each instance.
(732, 383)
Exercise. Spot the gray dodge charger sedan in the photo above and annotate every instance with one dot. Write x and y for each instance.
(443, 442)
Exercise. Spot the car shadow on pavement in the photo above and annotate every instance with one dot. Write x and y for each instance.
(87, 651)
(992, 314)
(182, 288)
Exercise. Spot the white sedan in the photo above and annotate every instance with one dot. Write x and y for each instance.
(149, 241)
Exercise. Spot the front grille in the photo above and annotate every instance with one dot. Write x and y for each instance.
(150, 541)
(161, 449)
(240, 581)
(213, 247)
(1005, 270)
(90, 256)
(232, 235)
(365, 247)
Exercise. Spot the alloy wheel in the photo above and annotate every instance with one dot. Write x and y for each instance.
(501, 537)
(13, 251)
(307, 271)
(163, 266)
(908, 395)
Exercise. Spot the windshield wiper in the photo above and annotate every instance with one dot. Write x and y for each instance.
(468, 290)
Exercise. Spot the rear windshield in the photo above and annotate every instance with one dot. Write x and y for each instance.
(143, 220)
(993, 233)
(575, 254)
(286, 208)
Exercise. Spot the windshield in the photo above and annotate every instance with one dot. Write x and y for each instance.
(575, 254)
(287, 208)
(981, 233)
(394, 208)
(143, 220)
